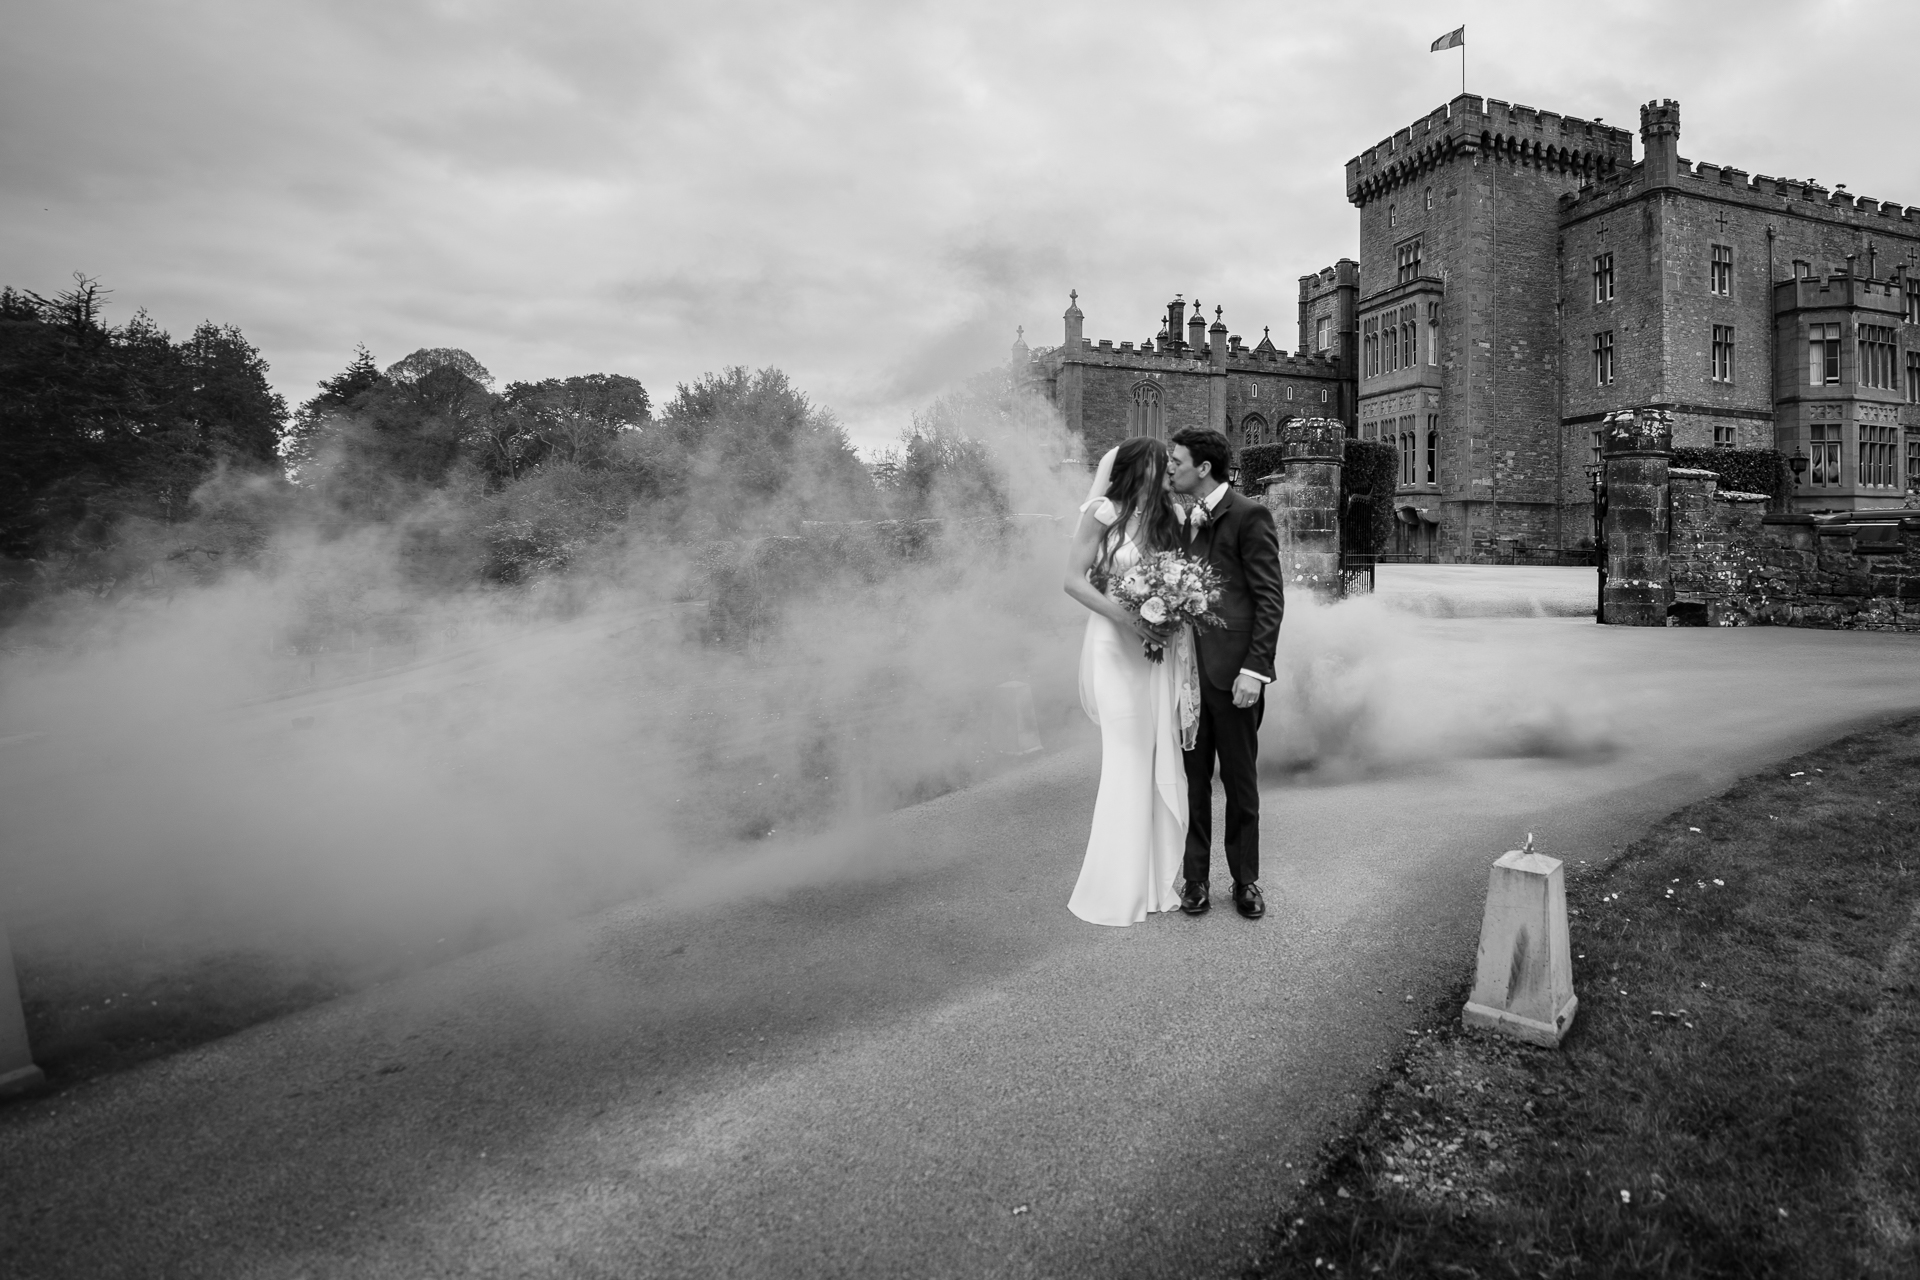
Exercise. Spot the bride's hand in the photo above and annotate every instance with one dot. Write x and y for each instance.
(1148, 632)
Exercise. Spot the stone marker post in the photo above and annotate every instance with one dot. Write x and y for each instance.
(1306, 504)
(1523, 982)
(1636, 448)
(1016, 730)
(17, 1071)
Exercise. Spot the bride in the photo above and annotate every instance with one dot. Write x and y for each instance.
(1140, 816)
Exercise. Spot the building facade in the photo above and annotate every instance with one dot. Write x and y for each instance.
(1521, 276)
(1192, 373)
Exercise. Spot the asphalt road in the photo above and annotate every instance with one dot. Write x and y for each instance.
(895, 1052)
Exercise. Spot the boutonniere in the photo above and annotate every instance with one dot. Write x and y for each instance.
(1198, 515)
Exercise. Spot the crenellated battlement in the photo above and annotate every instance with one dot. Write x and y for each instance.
(1471, 125)
(1186, 359)
(1344, 272)
(1758, 190)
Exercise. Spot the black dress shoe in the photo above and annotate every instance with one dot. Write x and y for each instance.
(1247, 899)
(1193, 898)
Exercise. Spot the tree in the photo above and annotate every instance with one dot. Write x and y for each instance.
(337, 395)
(101, 424)
(575, 420)
(752, 452)
(427, 359)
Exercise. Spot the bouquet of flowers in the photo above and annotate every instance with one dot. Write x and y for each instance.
(1168, 590)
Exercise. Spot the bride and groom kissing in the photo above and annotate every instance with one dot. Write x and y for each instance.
(1164, 723)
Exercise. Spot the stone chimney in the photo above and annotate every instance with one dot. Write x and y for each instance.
(1073, 317)
(1176, 317)
(1660, 142)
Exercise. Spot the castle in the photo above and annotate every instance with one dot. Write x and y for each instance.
(1521, 276)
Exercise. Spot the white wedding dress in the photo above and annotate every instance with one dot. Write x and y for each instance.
(1140, 818)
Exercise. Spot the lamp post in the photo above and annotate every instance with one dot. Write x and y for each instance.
(1799, 464)
(1597, 481)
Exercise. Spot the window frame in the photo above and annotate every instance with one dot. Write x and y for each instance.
(1823, 455)
(1720, 366)
(1407, 260)
(1878, 462)
(1877, 349)
(1604, 368)
(1720, 272)
(1147, 410)
(1823, 353)
(1602, 278)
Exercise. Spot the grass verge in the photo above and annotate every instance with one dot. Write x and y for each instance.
(1740, 1094)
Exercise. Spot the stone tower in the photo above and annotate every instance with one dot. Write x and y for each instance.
(1458, 286)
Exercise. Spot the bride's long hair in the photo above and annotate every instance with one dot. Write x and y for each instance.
(1138, 485)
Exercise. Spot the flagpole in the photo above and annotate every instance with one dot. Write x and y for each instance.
(1463, 67)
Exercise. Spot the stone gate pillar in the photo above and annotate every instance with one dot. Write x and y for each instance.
(1306, 504)
(1636, 448)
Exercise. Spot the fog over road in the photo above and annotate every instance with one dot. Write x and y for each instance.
(924, 1066)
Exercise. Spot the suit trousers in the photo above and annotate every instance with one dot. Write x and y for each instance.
(1233, 734)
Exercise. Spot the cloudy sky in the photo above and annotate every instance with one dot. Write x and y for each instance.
(869, 195)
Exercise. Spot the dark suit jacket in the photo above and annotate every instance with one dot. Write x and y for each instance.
(1240, 542)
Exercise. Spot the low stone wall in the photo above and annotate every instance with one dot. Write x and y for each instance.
(1732, 564)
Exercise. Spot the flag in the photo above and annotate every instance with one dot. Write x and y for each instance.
(1453, 39)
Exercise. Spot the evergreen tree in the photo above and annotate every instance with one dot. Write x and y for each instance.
(98, 424)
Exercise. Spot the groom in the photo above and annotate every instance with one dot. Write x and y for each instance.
(1236, 536)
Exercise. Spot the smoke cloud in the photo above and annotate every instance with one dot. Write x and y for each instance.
(183, 776)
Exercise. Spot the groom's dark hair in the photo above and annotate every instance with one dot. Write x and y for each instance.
(1204, 444)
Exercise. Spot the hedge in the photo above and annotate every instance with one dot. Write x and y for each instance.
(1257, 462)
(1743, 470)
(1371, 467)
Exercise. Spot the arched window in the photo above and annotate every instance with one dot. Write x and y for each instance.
(1253, 430)
(1393, 216)
(1429, 197)
(1146, 416)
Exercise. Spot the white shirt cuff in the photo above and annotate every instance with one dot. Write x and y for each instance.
(1257, 676)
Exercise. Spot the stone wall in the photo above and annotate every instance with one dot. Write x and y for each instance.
(1734, 565)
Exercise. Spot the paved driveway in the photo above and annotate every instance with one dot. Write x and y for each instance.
(895, 1053)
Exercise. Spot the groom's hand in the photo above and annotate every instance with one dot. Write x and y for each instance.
(1246, 690)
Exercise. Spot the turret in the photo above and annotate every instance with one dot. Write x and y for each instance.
(1660, 141)
(1073, 318)
(1218, 335)
(1196, 329)
(1020, 354)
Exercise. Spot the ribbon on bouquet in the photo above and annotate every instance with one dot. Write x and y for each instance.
(1186, 685)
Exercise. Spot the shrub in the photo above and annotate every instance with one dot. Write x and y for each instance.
(1372, 470)
(1257, 462)
(1743, 470)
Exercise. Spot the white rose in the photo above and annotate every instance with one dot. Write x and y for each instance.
(1197, 603)
(1154, 610)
